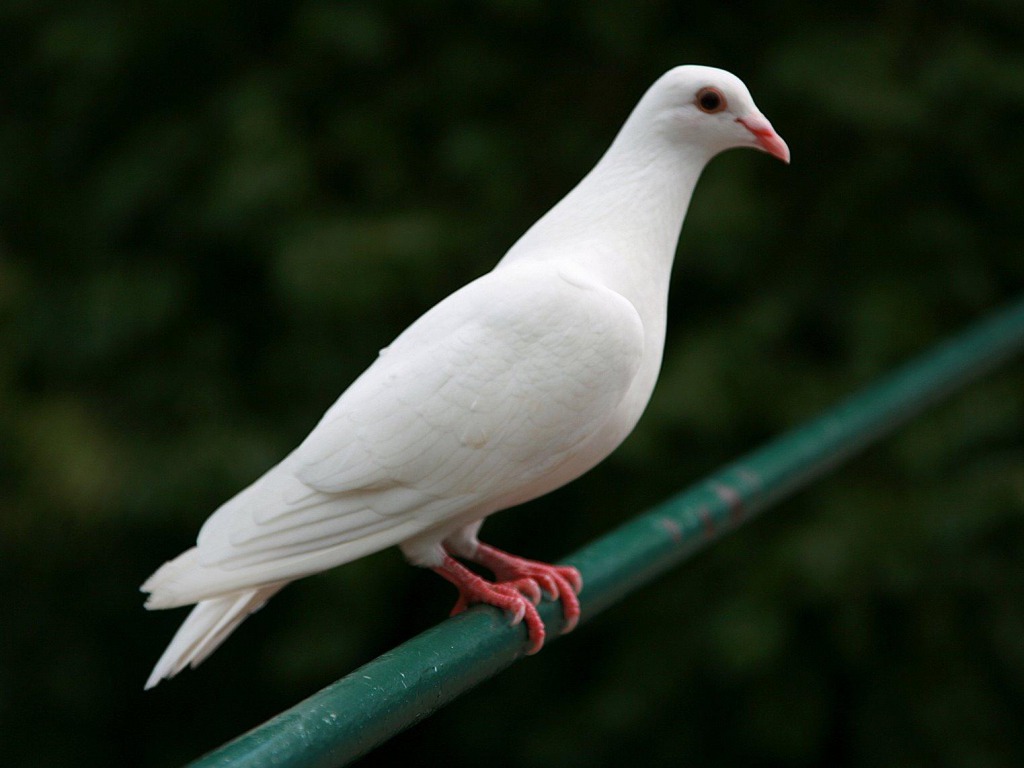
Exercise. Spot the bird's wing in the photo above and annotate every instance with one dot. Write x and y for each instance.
(515, 372)
(486, 393)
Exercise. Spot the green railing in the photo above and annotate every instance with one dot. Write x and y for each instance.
(402, 687)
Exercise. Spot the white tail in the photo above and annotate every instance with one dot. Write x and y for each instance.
(209, 624)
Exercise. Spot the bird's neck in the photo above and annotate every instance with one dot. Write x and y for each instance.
(621, 223)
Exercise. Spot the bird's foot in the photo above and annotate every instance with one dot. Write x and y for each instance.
(560, 582)
(518, 597)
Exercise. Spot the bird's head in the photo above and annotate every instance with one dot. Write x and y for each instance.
(712, 108)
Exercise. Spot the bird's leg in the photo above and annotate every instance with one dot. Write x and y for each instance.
(559, 581)
(518, 597)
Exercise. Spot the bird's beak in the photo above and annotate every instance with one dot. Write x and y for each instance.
(765, 137)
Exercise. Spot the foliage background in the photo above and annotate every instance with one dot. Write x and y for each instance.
(212, 214)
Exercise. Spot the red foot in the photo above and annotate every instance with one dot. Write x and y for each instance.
(517, 590)
(518, 597)
(559, 581)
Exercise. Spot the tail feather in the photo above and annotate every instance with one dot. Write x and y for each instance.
(161, 584)
(206, 627)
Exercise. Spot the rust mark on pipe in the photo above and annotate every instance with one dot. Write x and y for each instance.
(732, 499)
(707, 520)
(673, 529)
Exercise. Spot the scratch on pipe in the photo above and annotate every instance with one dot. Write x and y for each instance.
(673, 529)
(707, 520)
(732, 498)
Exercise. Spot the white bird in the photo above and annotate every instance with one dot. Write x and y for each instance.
(514, 385)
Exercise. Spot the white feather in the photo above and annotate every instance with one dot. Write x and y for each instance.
(512, 386)
(206, 627)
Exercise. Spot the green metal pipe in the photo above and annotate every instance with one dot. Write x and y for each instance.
(405, 685)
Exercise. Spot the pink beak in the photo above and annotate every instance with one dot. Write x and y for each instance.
(765, 136)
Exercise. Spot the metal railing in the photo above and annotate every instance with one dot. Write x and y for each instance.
(405, 685)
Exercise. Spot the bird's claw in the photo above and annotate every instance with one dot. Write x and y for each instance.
(518, 591)
(517, 598)
(527, 587)
(560, 582)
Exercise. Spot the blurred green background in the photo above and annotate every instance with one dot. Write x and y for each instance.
(212, 214)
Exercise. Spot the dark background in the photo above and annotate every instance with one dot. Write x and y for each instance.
(212, 215)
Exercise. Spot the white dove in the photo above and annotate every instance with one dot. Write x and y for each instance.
(514, 385)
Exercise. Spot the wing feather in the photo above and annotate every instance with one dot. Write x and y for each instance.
(486, 394)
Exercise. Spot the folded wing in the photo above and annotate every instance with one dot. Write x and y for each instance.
(482, 397)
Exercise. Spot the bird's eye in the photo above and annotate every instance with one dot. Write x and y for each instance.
(710, 100)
